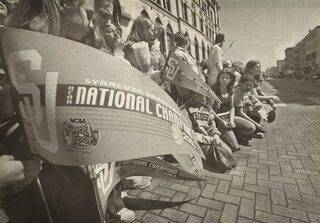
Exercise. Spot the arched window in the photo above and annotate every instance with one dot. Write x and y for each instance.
(184, 8)
(196, 49)
(203, 51)
(201, 24)
(169, 33)
(208, 51)
(158, 25)
(189, 47)
(144, 13)
(167, 5)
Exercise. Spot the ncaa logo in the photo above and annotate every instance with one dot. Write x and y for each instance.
(79, 134)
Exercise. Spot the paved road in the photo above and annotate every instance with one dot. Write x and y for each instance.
(277, 178)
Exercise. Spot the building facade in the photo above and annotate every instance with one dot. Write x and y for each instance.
(311, 49)
(199, 19)
(306, 53)
(280, 66)
(289, 59)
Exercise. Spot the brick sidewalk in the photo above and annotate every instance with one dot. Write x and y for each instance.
(277, 178)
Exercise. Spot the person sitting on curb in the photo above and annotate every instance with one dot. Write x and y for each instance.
(205, 130)
(241, 98)
(253, 68)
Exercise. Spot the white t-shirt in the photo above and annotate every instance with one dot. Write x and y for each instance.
(214, 64)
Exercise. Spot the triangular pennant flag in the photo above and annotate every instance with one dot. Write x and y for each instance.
(108, 175)
(89, 109)
(107, 178)
(147, 204)
(154, 167)
(181, 74)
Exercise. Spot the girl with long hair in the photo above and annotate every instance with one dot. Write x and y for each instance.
(36, 15)
(227, 121)
(142, 48)
(242, 98)
(253, 68)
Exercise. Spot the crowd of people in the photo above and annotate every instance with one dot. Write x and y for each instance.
(220, 128)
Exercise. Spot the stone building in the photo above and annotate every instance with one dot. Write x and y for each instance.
(289, 59)
(199, 19)
(310, 49)
(280, 66)
(306, 53)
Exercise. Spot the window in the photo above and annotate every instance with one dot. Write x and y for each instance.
(196, 49)
(169, 37)
(203, 51)
(207, 30)
(204, 7)
(308, 57)
(167, 5)
(159, 2)
(144, 13)
(184, 8)
(214, 17)
(208, 51)
(211, 15)
(201, 24)
(194, 18)
(158, 25)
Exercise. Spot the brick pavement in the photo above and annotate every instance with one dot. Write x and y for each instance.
(277, 178)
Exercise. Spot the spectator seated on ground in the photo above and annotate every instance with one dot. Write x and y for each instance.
(205, 130)
(225, 113)
(254, 108)
(253, 68)
(242, 94)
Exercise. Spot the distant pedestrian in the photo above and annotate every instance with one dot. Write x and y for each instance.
(307, 76)
(235, 69)
(215, 59)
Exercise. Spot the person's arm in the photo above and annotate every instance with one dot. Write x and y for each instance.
(11, 171)
(242, 114)
(232, 111)
(216, 116)
(219, 64)
(142, 54)
(155, 52)
(263, 97)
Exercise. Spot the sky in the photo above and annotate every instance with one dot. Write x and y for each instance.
(263, 29)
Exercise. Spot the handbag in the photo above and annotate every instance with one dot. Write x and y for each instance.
(222, 160)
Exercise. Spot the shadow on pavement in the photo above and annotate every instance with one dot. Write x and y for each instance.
(293, 91)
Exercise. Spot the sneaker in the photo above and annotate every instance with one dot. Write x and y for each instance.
(144, 183)
(127, 215)
(236, 150)
(258, 135)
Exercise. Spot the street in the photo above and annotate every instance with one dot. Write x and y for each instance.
(277, 178)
